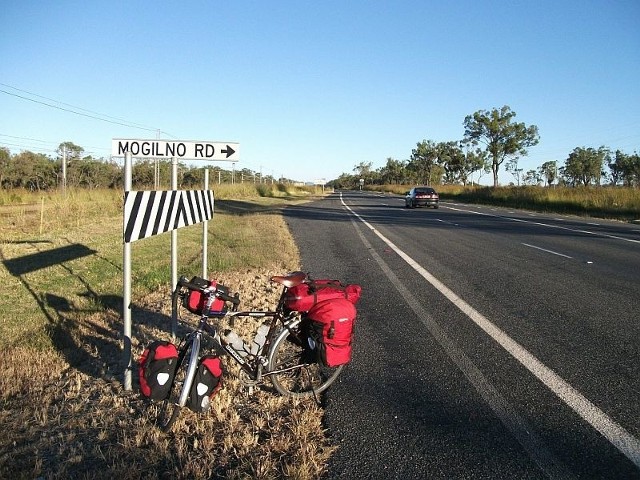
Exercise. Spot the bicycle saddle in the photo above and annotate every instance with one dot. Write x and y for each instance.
(290, 279)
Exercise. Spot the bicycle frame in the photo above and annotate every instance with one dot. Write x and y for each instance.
(253, 367)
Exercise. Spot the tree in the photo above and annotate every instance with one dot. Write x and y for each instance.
(549, 171)
(458, 164)
(392, 172)
(532, 177)
(625, 168)
(503, 139)
(5, 161)
(423, 158)
(452, 159)
(632, 174)
(363, 171)
(584, 165)
(74, 152)
(512, 167)
(33, 171)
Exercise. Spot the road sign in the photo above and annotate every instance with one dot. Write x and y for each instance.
(185, 149)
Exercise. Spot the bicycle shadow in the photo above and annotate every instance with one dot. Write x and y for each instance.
(89, 337)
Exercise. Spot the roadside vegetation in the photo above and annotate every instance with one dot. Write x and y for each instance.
(62, 406)
(493, 142)
(620, 203)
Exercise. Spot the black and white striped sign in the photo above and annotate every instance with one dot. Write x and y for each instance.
(148, 213)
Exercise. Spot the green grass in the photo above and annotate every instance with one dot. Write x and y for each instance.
(33, 298)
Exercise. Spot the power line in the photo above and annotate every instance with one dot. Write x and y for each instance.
(55, 144)
(75, 110)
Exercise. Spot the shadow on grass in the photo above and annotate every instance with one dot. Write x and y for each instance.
(240, 207)
(89, 338)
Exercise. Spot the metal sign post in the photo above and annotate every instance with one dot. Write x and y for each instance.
(174, 245)
(205, 233)
(148, 213)
(126, 283)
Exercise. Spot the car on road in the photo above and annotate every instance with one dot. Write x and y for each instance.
(421, 197)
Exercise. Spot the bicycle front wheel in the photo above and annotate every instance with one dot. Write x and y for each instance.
(295, 375)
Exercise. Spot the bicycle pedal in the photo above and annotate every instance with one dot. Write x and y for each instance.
(246, 381)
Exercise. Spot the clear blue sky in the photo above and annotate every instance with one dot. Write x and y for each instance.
(312, 88)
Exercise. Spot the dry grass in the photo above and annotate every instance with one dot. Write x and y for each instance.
(62, 407)
(67, 415)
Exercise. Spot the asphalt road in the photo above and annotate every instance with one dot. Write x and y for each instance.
(490, 343)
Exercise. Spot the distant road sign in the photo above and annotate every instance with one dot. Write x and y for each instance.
(186, 149)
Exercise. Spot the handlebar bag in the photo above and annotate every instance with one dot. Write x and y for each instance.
(194, 301)
(206, 383)
(330, 326)
(304, 296)
(156, 369)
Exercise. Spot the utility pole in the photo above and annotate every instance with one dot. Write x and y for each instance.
(156, 168)
(64, 170)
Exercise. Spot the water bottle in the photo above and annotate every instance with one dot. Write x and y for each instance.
(236, 342)
(261, 336)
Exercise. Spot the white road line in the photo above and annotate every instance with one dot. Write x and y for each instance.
(626, 443)
(548, 251)
(447, 222)
(523, 432)
(598, 234)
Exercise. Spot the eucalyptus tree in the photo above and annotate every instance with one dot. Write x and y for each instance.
(363, 171)
(393, 172)
(625, 168)
(532, 177)
(452, 159)
(423, 160)
(549, 171)
(585, 165)
(503, 139)
(5, 161)
(72, 151)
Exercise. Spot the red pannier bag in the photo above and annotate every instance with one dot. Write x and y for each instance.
(206, 383)
(156, 369)
(304, 296)
(330, 326)
(194, 301)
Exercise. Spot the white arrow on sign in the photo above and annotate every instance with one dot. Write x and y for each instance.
(186, 149)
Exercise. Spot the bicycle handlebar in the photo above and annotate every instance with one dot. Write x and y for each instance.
(228, 298)
(183, 282)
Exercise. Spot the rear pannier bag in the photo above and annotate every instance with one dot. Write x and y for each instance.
(304, 296)
(330, 325)
(206, 383)
(194, 301)
(156, 369)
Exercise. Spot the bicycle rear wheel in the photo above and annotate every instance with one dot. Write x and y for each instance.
(298, 376)
(169, 408)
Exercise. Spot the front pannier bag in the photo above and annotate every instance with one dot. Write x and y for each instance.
(206, 383)
(303, 297)
(195, 300)
(156, 369)
(330, 327)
